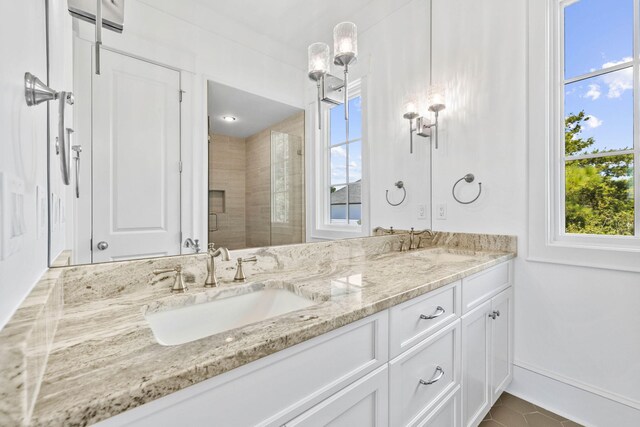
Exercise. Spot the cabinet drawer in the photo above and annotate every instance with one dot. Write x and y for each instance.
(480, 287)
(415, 320)
(446, 414)
(363, 403)
(423, 375)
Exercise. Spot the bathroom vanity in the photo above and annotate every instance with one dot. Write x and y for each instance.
(420, 337)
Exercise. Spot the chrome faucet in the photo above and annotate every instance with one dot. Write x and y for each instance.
(419, 234)
(194, 244)
(212, 281)
(178, 285)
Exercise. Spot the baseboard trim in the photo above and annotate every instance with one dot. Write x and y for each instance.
(580, 385)
(570, 400)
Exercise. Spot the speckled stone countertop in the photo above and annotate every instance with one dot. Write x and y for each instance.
(104, 358)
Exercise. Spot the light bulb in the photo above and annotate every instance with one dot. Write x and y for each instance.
(318, 60)
(345, 43)
(410, 109)
(435, 98)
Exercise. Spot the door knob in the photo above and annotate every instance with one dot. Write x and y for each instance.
(102, 246)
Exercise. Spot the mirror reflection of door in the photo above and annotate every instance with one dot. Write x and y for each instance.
(256, 170)
(136, 159)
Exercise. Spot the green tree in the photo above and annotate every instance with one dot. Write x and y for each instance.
(599, 196)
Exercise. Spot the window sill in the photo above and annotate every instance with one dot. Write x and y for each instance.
(586, 254)
(338, 232)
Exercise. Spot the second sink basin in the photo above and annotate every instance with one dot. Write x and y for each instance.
(445, 255)
(191, 322)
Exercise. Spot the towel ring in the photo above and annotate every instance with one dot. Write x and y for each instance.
(400, 185)
(468, 178)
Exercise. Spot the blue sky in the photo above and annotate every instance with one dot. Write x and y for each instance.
(599, 34)
(338, 135)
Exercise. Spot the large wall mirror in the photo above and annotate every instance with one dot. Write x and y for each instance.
(196, 122)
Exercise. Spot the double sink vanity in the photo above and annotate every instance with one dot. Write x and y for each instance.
(319, 333)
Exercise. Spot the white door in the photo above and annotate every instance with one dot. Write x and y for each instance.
(136, 159)
(475, 365)
(501, 343)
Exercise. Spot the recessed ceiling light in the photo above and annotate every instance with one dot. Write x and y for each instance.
(228, 118)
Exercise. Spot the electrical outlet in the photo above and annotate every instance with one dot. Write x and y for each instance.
(422, 211)
(441, 211)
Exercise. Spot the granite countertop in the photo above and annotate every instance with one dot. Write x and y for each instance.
(104, 358)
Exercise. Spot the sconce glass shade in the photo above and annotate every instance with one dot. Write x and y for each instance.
(410, 110)
(319, 57)
(435, 98)
(345, 43)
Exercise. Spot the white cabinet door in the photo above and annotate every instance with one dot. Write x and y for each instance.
(475, 364)
(363, 403)
(446, 414)
(501, 342)
(136, 158)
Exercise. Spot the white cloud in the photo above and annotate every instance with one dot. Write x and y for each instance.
(339, 151)
(593, 122)
(620, 81)
(614, 63)
(593, 92)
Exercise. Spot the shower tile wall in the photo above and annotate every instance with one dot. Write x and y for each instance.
(227, 173)
(259, 231)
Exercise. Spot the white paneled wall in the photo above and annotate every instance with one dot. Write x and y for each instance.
(23, 143)
(577, 329)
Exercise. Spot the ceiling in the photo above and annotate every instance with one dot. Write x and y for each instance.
(254, 113)
(295, 23)
(292, 22)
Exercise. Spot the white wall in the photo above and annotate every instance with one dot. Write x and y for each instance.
(23, 142)
(577, 329)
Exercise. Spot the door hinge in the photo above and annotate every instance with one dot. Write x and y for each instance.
(91, 244)
(181, 92)
(180, 166)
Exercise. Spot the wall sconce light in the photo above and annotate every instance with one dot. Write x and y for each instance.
(423, 126)
(345, 46)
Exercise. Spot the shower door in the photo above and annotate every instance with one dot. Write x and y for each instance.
(287, 189)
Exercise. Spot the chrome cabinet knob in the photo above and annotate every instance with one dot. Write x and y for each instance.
(102, 246)
(494, 314)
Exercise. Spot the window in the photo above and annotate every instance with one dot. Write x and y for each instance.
(345, 165)
(340, 181)
(598, 135)
(582, 144)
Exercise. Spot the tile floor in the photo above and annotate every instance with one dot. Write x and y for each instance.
(511, 411)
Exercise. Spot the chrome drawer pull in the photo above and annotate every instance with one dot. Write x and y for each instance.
(439, 312)
(439, 374)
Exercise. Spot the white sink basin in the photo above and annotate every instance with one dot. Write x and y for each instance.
(441, 255)
(192, 322)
